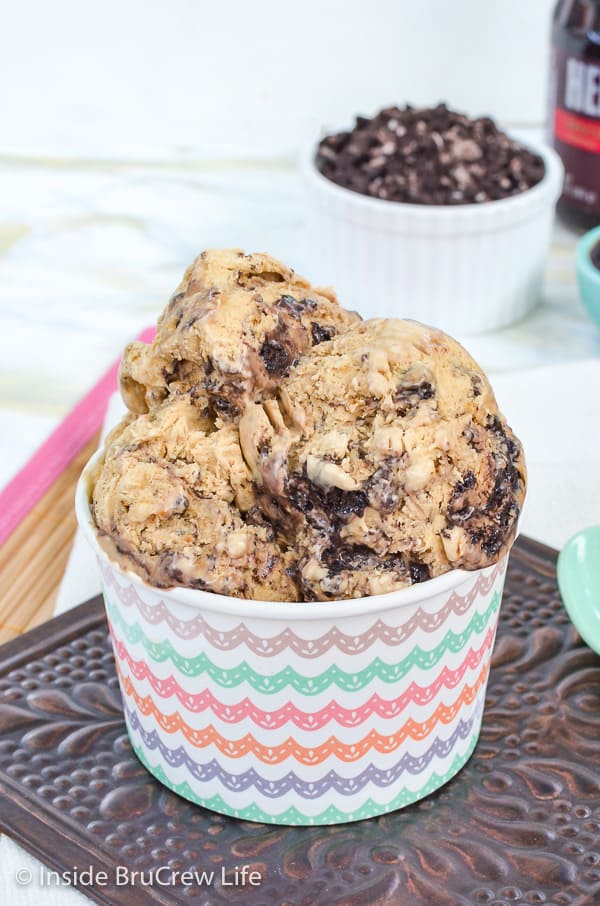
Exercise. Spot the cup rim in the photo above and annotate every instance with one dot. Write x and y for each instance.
(584, 261)
(550, 184)
(285, 611)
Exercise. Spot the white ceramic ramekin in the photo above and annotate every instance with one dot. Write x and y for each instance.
(301, 713)
(464, 268)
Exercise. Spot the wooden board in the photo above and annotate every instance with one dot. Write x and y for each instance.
(33, 559)
(519, 824)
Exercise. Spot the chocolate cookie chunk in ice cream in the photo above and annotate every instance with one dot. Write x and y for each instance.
(386, 456)
(174, 502)
(233, 329)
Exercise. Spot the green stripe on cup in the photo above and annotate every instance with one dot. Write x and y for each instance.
(377, 669)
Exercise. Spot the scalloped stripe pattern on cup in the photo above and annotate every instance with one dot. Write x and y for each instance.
(305, 722)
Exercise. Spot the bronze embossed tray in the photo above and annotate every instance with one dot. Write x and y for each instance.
(519, 825)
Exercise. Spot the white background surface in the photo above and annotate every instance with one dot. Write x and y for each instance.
(134, 134)
(151, 78)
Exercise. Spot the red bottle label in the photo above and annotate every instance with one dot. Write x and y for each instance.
(576, 125)
(577, 131)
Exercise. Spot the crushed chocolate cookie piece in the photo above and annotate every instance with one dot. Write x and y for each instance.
(419, 572)
(465, 483)
(276, 357)
(384, 488)
(321, 505)
(339, 559)
(296, 307)
(428, 156)
(219, 407)
(417, 383)
(321, 334)
(408, 397)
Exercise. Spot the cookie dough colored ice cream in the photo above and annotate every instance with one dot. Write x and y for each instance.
(234, 327)
(279, 448)
(173, 500)
(385, 456)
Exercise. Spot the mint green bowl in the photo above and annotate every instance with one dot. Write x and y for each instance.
(578, 572)
(588, 276)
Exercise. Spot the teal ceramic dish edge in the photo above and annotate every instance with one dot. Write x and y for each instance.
(578, 574)
(588, 276)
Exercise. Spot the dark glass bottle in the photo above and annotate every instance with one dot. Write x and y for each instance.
(575, 107)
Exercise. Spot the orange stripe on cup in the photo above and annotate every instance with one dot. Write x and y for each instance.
(171, 723)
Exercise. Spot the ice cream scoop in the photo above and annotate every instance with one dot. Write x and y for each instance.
(234, 327)
(385, 455)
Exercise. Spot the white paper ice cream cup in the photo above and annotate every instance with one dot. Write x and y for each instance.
(306, 713)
